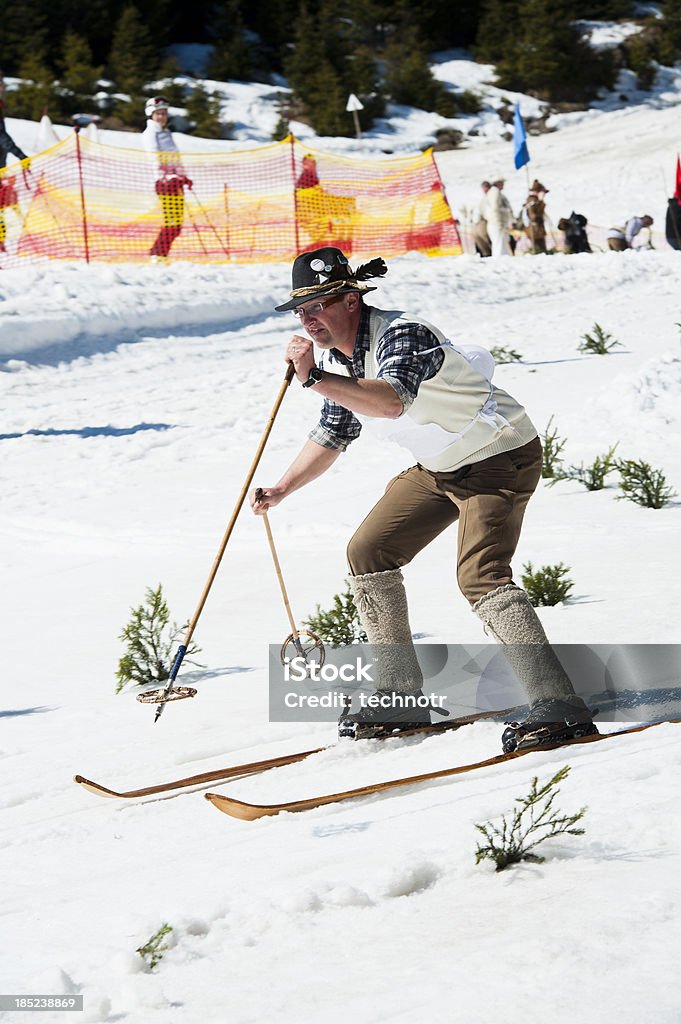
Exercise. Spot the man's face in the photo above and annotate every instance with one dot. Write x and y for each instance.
(328, 321)
(160, 116)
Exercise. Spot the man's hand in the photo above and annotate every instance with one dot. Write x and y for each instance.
(300, 353)
(264, 498)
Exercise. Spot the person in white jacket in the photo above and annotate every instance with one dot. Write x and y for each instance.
(171, 180)
(620, 239)
(498, 213)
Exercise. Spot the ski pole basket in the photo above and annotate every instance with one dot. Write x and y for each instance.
(163, 696)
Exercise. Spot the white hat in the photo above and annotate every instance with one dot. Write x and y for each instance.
(155, 103)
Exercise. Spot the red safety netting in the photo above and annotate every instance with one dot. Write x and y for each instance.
(82, 200)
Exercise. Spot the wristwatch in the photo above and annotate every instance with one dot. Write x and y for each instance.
(314, 377)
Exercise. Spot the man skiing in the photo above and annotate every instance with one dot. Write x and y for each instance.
(478, 461)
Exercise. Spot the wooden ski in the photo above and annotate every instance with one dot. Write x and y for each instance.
(251, 812)
(240, 771)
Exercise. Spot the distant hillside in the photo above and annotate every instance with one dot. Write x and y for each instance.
(68, 59)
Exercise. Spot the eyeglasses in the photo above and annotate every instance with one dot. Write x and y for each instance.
(304, 312)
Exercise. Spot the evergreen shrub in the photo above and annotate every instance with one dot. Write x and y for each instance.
(552, 446)
(502, 354)
(153, 949)
(150, 642)
(340, 625)
(548, 585)
(642, 484)
(599, 342)
(532, 823)
(594, 476)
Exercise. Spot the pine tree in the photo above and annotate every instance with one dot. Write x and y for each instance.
(312, 74)
(549, 58)
(77, 73)
(497, 31)
(670, 47)
(408, 78)
(444, 25)
(133, 59)
(25, 32)
(173, 91)
(361, 78)
(302, 61)
(356, 31)
(91, 20)
(203, 110)
(235, 54)
(274, 25)
(601, 10)
(36, 93)
(325, 102)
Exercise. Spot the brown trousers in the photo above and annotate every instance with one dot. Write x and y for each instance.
(488, 500)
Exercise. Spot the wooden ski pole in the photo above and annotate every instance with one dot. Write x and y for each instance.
(209, 221)
(196, 229)
(282, 586)
(182, 649)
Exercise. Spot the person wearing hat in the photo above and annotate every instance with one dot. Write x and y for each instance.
(481, 239)
(497, 211)
(534, 209)
(477, 458)
(171, 180)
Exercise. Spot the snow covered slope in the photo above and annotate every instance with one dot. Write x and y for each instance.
(133, 402)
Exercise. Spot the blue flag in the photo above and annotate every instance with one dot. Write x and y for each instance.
(520, 153)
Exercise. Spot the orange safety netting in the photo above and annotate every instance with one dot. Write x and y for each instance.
(82, 200)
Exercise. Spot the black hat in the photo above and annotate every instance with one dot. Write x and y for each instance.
(325, 272)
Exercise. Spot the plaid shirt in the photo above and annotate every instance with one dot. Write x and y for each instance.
(398, 363)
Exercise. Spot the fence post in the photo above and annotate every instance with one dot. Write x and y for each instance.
(82, 193)
(295, 193)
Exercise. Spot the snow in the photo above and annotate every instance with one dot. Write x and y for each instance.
(605, 35)
(134, 399)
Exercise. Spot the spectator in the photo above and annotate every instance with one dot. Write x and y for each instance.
(534, 209)
(673, 223)
(308, 177)
(483, 245)
(498, 213)
(574, 229)
(323, 216)
(8, 193)
(171, 180)
(621, 238)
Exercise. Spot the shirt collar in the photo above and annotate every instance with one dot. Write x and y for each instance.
(362, 340)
